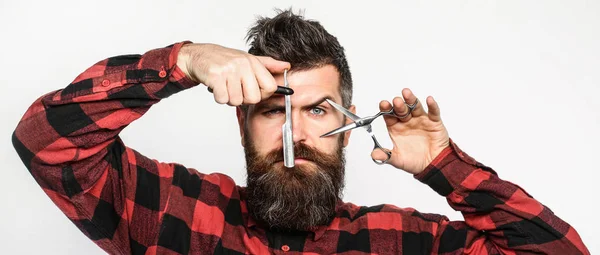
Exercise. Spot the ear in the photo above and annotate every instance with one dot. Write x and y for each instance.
(348, 121)
(241, 122)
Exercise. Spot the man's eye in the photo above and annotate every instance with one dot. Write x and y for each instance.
(317, 111)
(273, 112)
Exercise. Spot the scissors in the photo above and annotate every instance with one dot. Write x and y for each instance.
(366, 124)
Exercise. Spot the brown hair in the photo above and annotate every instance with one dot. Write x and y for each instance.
(304, 43)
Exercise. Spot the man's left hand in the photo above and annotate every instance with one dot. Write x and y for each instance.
(418, 138)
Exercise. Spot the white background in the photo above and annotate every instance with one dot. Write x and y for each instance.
(517, 81)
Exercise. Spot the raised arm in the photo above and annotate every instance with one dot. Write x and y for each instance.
(500, 217)
(69, 141)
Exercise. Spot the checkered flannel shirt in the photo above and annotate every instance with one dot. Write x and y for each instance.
(131, 204)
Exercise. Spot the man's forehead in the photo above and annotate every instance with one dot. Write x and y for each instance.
(327, 74)
(309, 85)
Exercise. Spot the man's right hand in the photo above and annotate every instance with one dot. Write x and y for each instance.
(235, 77)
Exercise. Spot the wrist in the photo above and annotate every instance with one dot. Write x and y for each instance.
(183, 60)
(449, 170)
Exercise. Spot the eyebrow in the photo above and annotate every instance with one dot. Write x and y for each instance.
(274, 105)
(318, 102)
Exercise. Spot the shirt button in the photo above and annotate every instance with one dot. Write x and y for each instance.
(105, 83)
(285, 248)
(162, 74)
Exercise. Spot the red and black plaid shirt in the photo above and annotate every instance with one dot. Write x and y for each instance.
(130, 204)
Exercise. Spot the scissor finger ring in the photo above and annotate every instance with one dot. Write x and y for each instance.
(406, 115)
(411, 107)
(381, 162)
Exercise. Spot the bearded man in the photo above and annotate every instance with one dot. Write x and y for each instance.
(128, 203)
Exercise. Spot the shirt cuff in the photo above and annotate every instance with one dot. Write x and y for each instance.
(159, 65)
(449, 169)
(176, 74)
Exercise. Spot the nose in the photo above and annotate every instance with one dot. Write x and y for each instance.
(298, 128)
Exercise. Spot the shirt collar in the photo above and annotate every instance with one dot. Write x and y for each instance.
(317, 231)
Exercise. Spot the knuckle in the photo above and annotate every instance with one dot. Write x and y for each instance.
(272, 87)
(241, 60)
(248, 59)
(221, 99)
(215, 69)
(264, 96)
(269, 87)
(229, 67)
(214, 72)
(236, 100)
(252, 100)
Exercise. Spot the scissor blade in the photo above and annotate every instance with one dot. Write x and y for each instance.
(288, 142)
(340, 130)
(349, 114)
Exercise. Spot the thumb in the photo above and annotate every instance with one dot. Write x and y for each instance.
(380, 155)
(274, 66)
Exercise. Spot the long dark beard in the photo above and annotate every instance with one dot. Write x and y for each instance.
(297, 198)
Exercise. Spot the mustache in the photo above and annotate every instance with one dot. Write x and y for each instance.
(301, 150)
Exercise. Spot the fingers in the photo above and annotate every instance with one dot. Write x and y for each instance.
(236, 77)
(411, 99)
(274, 66)
(381, 156)
(434, 109)
(234, 88)
(401, 109)
(250, 89)
(384, 105)
(378, 155)
(251, 83)
(403, 112)
(220, 92)
(266, 82)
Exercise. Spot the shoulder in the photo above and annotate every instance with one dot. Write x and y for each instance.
(194, 183)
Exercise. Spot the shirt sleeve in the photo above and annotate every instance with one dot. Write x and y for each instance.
(500, 217)
(69, 141)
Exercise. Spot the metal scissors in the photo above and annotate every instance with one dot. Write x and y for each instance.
(366, 124)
